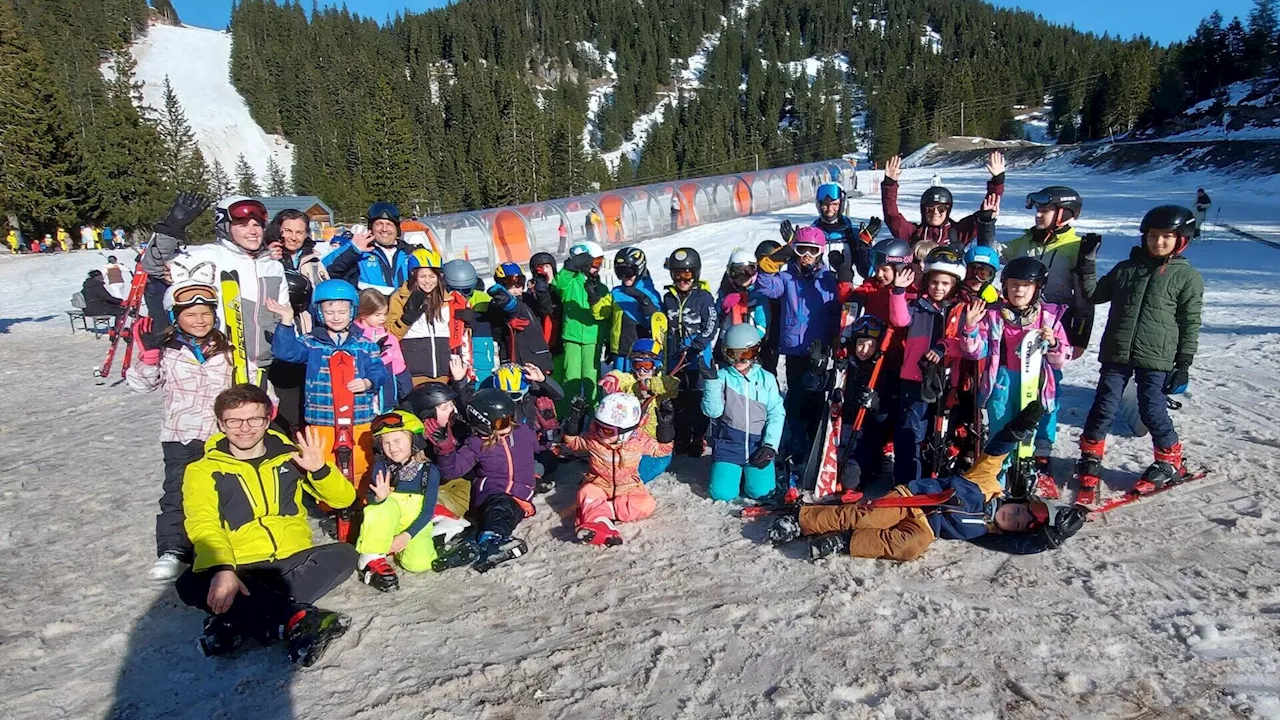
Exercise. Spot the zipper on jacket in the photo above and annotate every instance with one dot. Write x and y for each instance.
(275, 546)
(511, 470)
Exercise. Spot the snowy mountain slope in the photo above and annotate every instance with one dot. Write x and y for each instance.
(1168, 608)
(198, 63)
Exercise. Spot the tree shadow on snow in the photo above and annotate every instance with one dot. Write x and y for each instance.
(6, 323)
(164, 674)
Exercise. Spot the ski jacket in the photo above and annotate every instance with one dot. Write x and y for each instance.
(739, 305)
(544, 300)
(964, 517)
(651, 393)
(391, 353)
(582, 318)
(372, 268)
(261, 276)
(1154, 321)
(745, 411)
(97, 301)
(810, 304)
(424, 481)
(999, 333)
(425, 342)
(691, 324)
(842, 234)
(190, 382)
(926, 323)
(240, 512)
(315, 349)
(469, 313)
(629, 320)
(1060, 253)
(516, 326)
(956, 233)
(306, 262)
(506, 468)
(615, 469)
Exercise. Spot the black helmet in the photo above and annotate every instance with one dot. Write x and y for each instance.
(299, 290)
(459, 275)
(383, 211)
(630, 262)
(424, 399)
(1057, 196)
(542, 258)
(487, 409)
(937, 196)
(1170, 217)
(766, 248)
(685, 259)
(1027, 268)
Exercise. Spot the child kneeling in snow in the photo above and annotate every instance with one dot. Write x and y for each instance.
(403, 517)
(965, 507)
(652, 388)
(612, 489)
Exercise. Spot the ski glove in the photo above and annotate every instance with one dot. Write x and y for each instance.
(414, 306)
(595, 290)
(819, 354)
(761, 458)
(579, 263)
(869, 399)
(1066, 522)
(787, 231)
(184, 211)
(1089, 244)
(440, 436)
(575, 423)
(869, 231)
(499, 296)
(666, 431)
(707, 368)
(1176, 382)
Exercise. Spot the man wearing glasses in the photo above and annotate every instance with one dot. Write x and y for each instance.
(936, 203)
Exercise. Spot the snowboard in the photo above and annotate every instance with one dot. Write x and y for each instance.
(342, 370)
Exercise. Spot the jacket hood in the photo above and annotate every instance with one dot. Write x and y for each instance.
(218, 446)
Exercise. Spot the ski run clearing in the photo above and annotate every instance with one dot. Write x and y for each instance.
(1166, 608)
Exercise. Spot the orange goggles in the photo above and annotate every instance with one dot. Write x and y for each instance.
(742, 355)
(682, 275)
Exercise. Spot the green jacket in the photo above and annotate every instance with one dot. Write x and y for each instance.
(582, 318)
(1154, 322)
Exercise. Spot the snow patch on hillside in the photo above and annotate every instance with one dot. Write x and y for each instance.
(198, 64)
(1245, 110)
(598, 95)
(1035, 121)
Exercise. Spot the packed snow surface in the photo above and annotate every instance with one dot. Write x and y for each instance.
(198, 64)
(1166, 608)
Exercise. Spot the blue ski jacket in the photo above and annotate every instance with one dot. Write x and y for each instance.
(314, 350)
(745, 411)
(810, 304)
(372, 269)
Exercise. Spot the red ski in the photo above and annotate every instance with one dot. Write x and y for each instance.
(925, 500)
(123, 329)
(1131, 497)
(342, 370)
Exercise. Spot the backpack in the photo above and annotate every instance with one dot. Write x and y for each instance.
(77, 301)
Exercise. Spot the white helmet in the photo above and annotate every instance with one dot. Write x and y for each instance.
(589, 247)
(196, 285)
(945, 260)
(619, 413)
(742, 256)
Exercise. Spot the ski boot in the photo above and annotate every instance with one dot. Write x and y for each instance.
(829, 544)
(785, 529)
(464, 552)
(310, 632)
(600, 533)
(219, 638)
(380, 575)
(495, 550)
(1168, 469)
(1089, 470)
(1046, 487)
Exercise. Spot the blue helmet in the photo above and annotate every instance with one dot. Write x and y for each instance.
(510, 379)
(647, 348)
(983, 255)
(828, 192)
(335, 290)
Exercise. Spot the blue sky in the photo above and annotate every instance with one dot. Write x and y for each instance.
(1164, 21)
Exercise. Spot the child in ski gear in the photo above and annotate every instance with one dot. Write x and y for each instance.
(471, 332)
(936, 204)
(653, 388)
(631, 305)
(1054, 242)
(772, 310)
(421, 315)
(691, 327)
(501, 452)
(371, 319)
(402, 517)
(582, 300)
(873, 394)
(746, 409)
(931, 339)
(612, 490)
(545, 302)
(962, 507)
(192, 365)
(516, 328)
(256, 572)
(377, 257)
(1152, 333)
(982, 264)
(334, 304)
(992, 335)
(738, 299)
(842, 237)
(535, 395)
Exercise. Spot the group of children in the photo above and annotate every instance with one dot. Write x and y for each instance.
(466, 398)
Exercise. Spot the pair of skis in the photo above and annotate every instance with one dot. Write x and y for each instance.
(822, 470)
(127, 325)
(855, 498)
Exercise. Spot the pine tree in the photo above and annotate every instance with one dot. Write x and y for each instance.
(277, 185)
(246, 181)
(181, 164)
(219, 181)
(128, 179)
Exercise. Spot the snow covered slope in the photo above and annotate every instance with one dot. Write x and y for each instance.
(1168, 608)
(198, 63)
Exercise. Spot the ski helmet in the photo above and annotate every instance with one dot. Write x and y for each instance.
(868, 326)
(397, 421)
(424, 399)
(630, 262)
(685, 259)
(299, 290)
(460, 275)
(1171, 217)
(510, 379)
(334, 290)
(983, 255)
(810, 236)
(589, 247)
(236, 209)
(490, 410)
(891, 251)
(742, 256)
(426, 257)
(741, 336)
(646, 349)
(766, 248)
(828, 192)
(937, 196)
(618, 416)
(509, 274)
(189, 293)
(945, 260)
(382, 210)
(543, 258)
(1059, 196)
(1028, 269)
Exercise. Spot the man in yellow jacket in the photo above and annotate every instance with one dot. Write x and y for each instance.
(256, 572)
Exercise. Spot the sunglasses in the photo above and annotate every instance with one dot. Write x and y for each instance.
(742, 355)
(682, 275)
(247, 210)
(257, 423)
(390, 421)
(937, 209)
(810, 250)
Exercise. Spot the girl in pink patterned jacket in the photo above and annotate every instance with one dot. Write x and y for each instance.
(371, 318)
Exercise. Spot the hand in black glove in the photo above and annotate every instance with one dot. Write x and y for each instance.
(414, 306)
(761, 458)
(1066, 523)
(1089, 244)
(1176, 382)
(579, 263)
(871, 229)
(575, 423)
(666, 431)
(182, 213)
(595, 290)
(836, 396)
(986, 216)
(840, 264)
(787, 231)
(868, 398)
(819, 354)
(707, 368)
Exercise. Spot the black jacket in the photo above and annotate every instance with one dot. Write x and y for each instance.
(530, 345)
(97, 301)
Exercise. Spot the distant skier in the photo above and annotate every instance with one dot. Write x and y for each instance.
(1202, 209)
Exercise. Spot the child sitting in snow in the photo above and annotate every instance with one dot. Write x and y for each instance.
(652, 387)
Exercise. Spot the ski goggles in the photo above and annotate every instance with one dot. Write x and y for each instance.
(746, 354)
(810, 250)
(682, 275)
(943, 254)
(511, 281)
(195, 295)
(742, 271)
(390, 421)
(626, 272)
(246, 210)
(1039, 200)
(644, 363)
(609, 432)
(982, 271)
(597, 263)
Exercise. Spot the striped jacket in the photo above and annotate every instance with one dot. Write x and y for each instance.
(746, 412)
(314, 350)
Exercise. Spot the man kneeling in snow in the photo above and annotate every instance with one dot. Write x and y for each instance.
(969, 507)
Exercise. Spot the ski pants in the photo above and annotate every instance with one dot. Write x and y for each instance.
(1003, 406)
(361, 454)
(887, 533)
(580, 370)
(913, 423)
(651, 466)
(804, 412)
(691, 423)
(277, 589)
(1151, 403)
(729, 480)
(594, 505)
(865, 468)
(171, 536)
(287, 379)
(500, 513)
(383, 521)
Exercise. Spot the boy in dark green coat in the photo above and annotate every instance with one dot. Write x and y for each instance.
(1152, 332)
